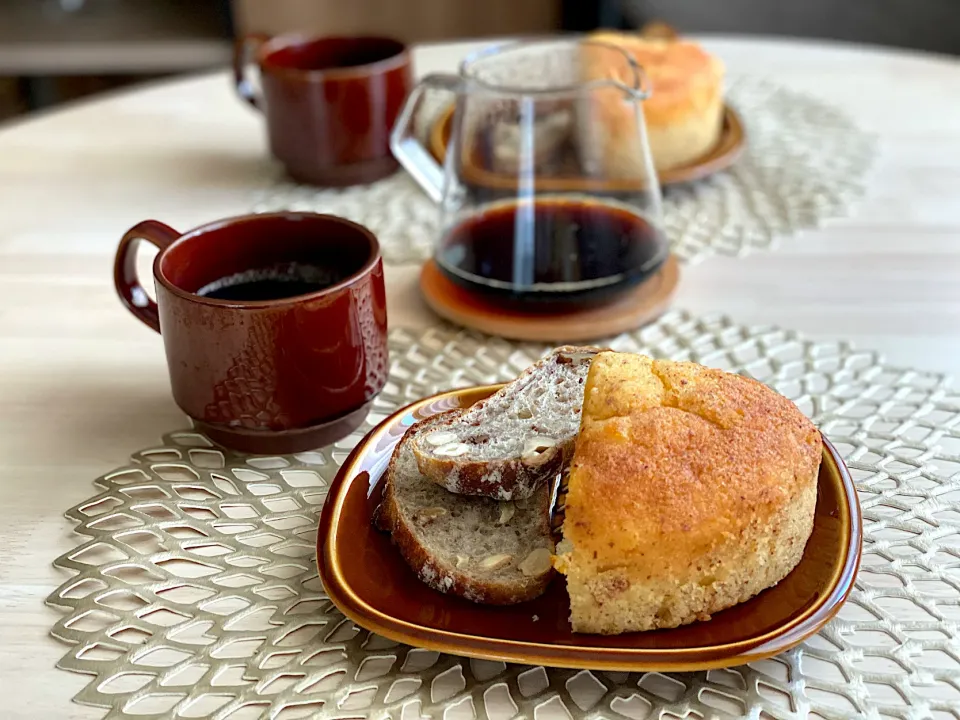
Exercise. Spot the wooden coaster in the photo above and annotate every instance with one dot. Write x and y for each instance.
(636, 307)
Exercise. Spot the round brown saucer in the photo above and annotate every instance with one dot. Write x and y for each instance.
(284, 442)
(637, 306)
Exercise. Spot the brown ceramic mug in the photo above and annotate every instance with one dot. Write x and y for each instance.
(330, 103)
(262, 365)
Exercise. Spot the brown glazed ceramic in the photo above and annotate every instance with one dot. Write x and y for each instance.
(728, 148)
(265, 376)
(557, 323)
(330, 103)
(365, 576)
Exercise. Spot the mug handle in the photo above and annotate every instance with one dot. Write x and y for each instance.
(125, 278)
(244, 50)
(407, 148)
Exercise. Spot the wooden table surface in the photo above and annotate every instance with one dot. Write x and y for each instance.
(83, 384)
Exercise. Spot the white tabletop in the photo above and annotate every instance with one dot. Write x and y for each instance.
(83, 384)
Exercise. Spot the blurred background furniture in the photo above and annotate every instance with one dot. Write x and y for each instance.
(57, 50)
(931, 25)
(409, 20)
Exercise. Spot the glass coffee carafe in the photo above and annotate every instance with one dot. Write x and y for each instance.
(545, 183)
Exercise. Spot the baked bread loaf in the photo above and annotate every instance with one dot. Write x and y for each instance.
(479, 549)
(684, 113)
(508, 445)
(690, 490)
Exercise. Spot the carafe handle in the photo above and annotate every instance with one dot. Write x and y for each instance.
(407, 148)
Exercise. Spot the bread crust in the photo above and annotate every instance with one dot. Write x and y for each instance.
(430, 569)
(495, 479)
(691, 490)
(499, 479)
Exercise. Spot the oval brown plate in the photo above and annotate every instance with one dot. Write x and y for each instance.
(728, 148)
(364, 575)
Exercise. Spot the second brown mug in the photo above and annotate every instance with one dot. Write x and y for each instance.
(329, 102)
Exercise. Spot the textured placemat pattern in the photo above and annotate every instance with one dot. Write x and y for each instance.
(196, 593)
(805, 162)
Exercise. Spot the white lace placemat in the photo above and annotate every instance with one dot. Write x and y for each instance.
(805, 161)
(195, 592)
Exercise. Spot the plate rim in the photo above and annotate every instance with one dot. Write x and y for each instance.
(729, 147)
(577, 656)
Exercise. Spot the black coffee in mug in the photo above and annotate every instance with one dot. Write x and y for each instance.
(272, 283)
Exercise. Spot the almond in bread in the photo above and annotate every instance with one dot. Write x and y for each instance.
(508, 445)
(690, 490)
(483, 550)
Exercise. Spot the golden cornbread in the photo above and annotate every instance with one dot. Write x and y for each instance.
(684, 113)
(690, 490)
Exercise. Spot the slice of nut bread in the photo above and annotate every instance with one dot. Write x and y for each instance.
(483, 550)
(508, 445)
